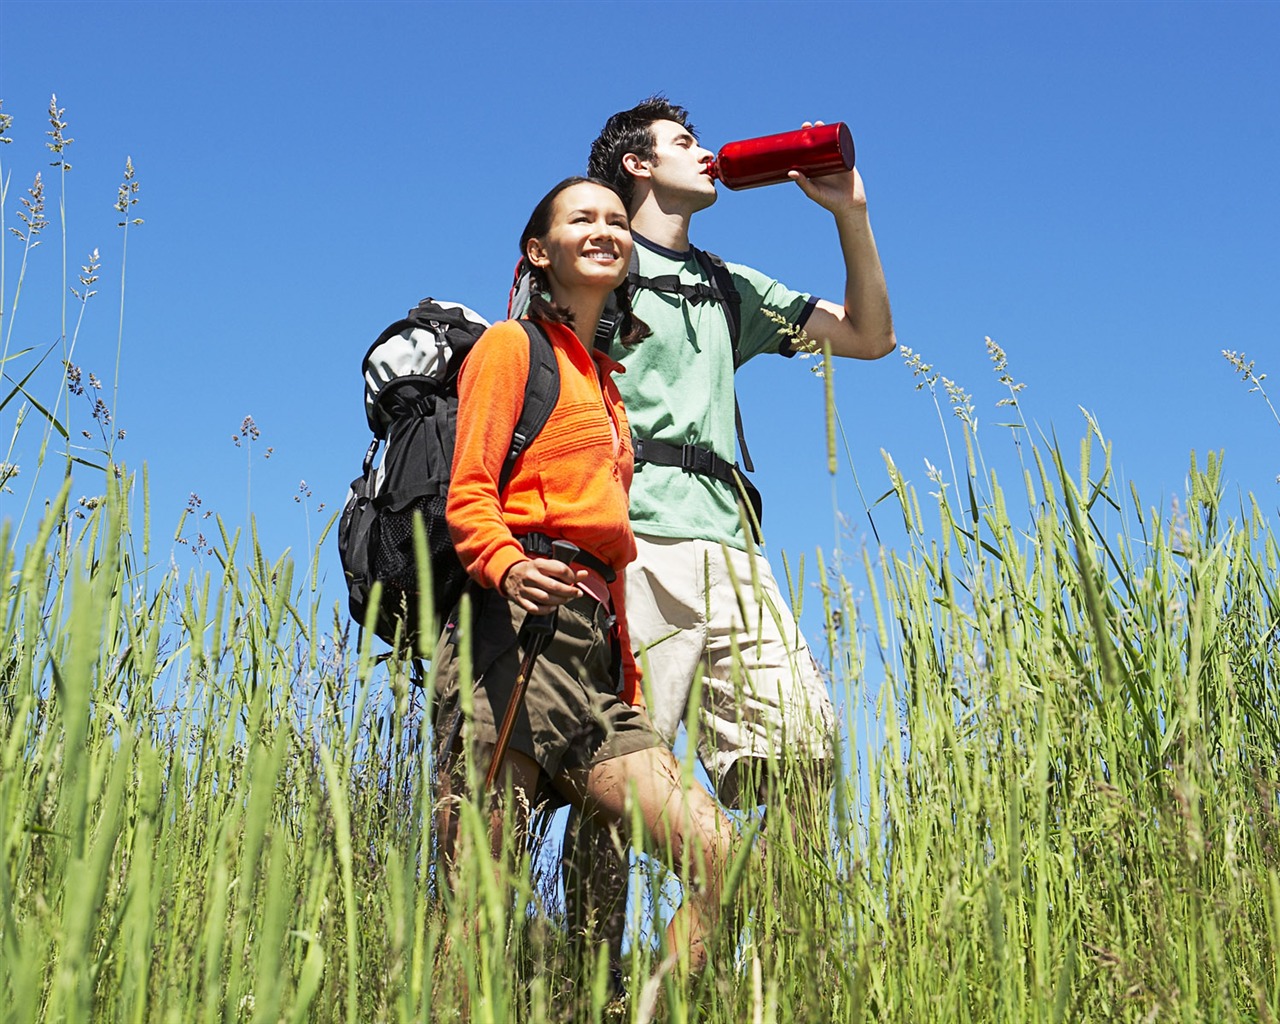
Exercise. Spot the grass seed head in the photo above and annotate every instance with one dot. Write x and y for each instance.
(922, 371)
(805, 346)
(248, 432)
(1000, 363)
(32, 213)
(127, 194)
(88, 277)
(57, 132)
(961, 400)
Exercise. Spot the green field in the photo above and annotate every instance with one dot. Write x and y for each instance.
(1062, 805)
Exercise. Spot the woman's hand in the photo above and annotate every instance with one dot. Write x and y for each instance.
(541, 585)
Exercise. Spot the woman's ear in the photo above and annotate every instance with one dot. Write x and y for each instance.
(536, 254)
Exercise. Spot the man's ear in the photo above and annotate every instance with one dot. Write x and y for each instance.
(634, 166)
(536, 254)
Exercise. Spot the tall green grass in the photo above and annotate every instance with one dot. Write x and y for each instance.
(1063, 804)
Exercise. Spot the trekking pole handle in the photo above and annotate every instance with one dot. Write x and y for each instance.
(565, 551)
(562, 551)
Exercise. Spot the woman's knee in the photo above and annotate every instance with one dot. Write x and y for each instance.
(710, 830)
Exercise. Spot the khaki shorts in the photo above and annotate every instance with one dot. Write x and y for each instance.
(761, 690)
(571, 716)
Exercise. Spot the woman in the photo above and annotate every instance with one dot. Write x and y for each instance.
(581, 735)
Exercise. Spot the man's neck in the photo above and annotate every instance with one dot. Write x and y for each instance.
(667, 228)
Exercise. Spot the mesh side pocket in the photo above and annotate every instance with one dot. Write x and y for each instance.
(394, 564)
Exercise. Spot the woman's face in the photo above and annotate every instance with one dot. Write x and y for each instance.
(588, 244)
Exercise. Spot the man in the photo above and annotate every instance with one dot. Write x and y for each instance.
(692, 608)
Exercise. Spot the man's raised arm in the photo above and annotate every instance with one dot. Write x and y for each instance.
(863, 326)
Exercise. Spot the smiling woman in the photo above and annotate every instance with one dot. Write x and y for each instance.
(577, 243)
(556, 712)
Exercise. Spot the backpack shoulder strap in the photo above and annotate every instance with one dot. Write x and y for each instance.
(731, 302)
(541, 393)
(726, 293)
(611, 315)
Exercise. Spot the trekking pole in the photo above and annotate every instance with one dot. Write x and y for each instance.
(537, 632)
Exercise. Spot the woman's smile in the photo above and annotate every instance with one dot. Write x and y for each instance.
(589, 237)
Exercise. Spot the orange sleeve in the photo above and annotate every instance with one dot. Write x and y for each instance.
(490, 397)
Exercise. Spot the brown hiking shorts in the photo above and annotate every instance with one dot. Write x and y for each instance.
(571, 716)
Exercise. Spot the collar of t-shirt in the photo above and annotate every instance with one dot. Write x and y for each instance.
(662, 250)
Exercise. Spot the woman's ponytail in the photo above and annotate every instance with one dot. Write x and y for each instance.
(540, 306)
(631, 329)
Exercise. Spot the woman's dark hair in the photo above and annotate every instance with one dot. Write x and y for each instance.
(631, 327)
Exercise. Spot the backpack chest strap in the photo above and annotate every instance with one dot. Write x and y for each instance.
(672, 285)
(692, 458)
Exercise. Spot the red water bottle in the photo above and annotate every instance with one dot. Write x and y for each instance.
(822, 149)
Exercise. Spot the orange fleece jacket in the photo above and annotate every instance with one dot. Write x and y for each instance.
(570, 483)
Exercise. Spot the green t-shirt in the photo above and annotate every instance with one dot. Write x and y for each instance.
(678, 388)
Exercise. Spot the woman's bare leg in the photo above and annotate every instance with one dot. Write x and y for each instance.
(684, 820)
(519, 772)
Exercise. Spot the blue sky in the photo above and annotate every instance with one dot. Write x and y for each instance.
(1092, 185)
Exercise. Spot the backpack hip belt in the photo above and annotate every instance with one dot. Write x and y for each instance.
(694, 458)
(539, 545)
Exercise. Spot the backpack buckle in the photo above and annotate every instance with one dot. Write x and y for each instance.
(694, 459)
(368, 456)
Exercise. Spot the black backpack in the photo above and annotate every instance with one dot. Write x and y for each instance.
(411, 403)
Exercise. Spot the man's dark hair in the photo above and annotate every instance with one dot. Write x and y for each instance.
(631, 131)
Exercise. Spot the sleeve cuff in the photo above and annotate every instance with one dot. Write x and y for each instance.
(784, 346)
(496, 568)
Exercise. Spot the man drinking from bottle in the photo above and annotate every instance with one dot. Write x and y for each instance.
(694, 614)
